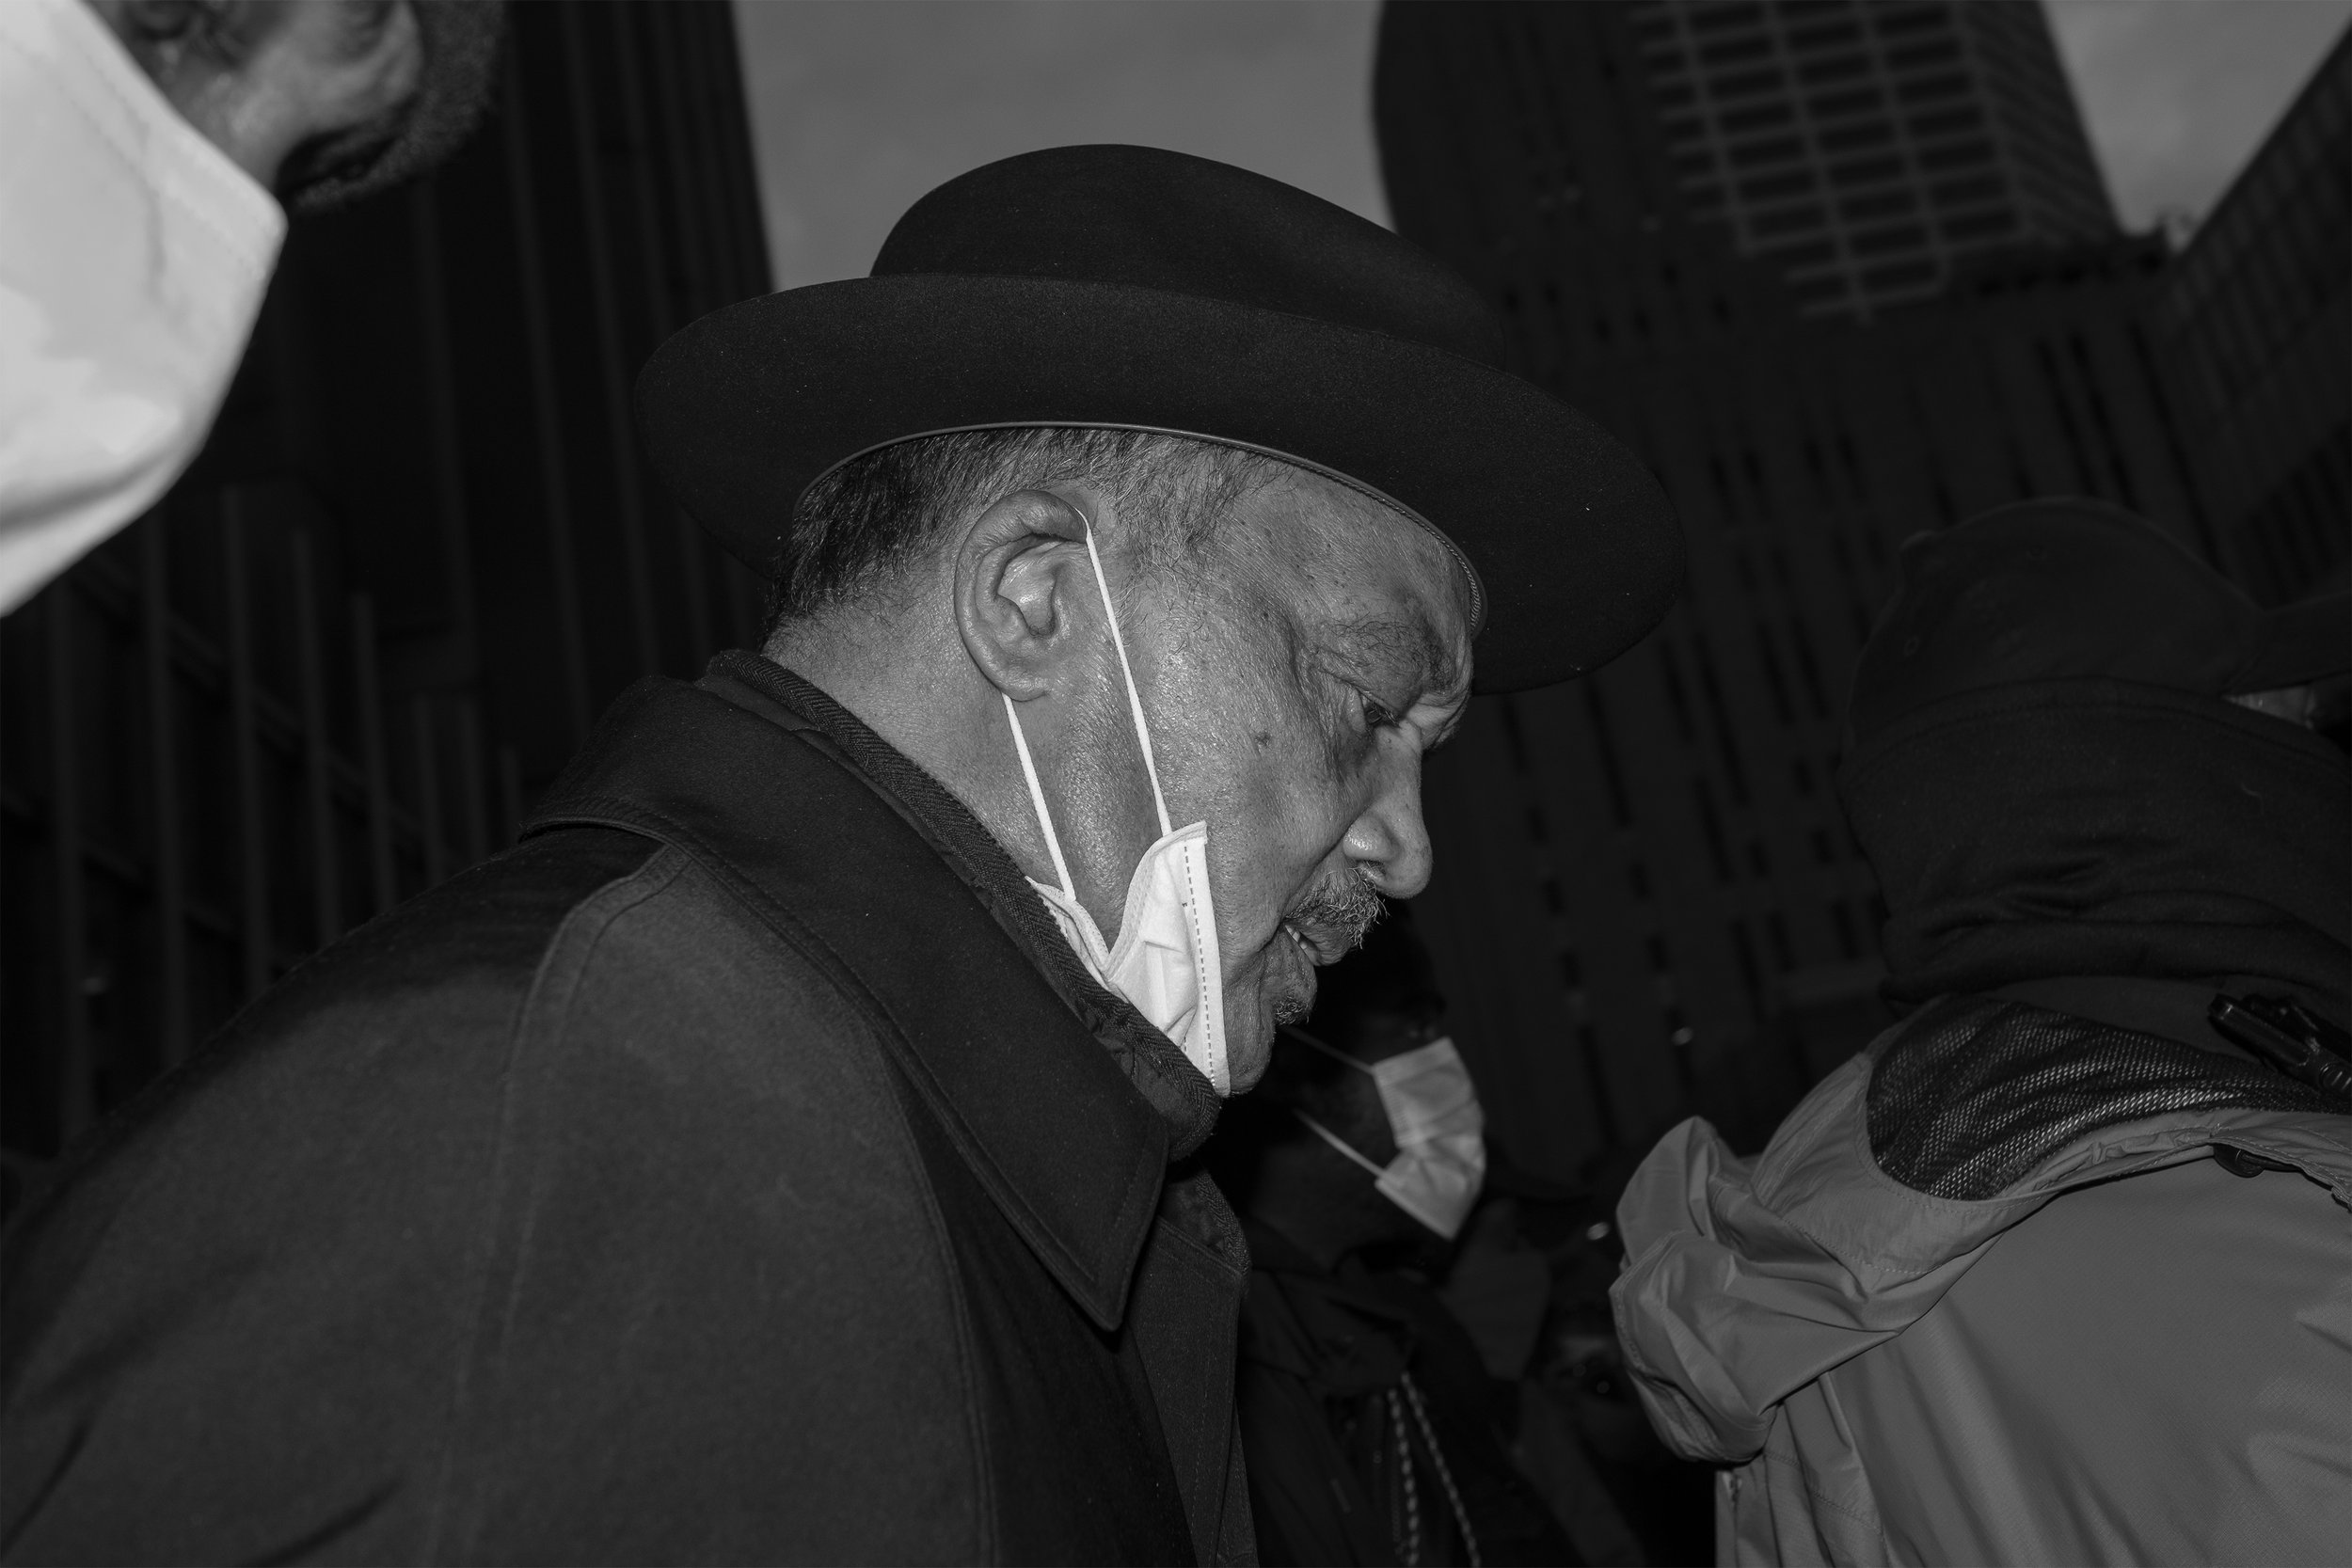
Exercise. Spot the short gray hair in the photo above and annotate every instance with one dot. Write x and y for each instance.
(861, 525)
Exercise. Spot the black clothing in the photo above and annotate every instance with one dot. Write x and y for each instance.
(740, 1168)
(1338, 1371)
(2057, 828)
(2065, 589)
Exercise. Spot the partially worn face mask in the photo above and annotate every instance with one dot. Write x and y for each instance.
(1165, 959)
(133, 255)
(1439, 1129)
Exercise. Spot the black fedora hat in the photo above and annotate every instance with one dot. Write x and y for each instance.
(1131, 287)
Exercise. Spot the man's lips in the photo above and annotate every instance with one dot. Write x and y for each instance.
(1318, 944)
(1323, 928)
(1331, 919)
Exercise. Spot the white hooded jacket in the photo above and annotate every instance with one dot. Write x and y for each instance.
(2128, 1354)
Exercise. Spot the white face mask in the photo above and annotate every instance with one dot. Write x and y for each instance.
(1439, 1129)
(133, 255)
(1165, 959)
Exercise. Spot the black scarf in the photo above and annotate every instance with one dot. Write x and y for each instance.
(2087, 827)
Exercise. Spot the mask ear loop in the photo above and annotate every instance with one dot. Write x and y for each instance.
(1334, 1053)
(1036, 799)
(1338, 1143)
(1135, 701)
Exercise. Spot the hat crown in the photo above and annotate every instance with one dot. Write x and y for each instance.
(1135, 289)
(1145, 217)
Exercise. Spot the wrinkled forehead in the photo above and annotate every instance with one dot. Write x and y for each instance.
(1361, 574)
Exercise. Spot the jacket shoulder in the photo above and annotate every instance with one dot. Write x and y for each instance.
(2054, 1365)
(207, 1245)
(440, 978)
(566, 1212)
(1976, 1092)
(464, 952)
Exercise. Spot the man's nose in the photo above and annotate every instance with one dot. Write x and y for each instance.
(1389, 842)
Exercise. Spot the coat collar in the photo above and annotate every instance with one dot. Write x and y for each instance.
(1063, 1100)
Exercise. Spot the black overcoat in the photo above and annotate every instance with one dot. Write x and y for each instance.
(739, 1168)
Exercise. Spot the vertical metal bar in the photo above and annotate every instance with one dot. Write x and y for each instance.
(327, 882)
(163, 752)
(694, 567)
(554, 483)
(385, 871)
(77, 1071)
(612, 367)
(470, 778)
(698, 215)
(253, 861)
(735, 139)
(440, 384)
(717, 163)
(428, 790)
(686, 170)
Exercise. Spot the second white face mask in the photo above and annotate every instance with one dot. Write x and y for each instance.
(1165, 959)
(1437, 1126)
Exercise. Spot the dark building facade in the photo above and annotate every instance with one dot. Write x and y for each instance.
(417, 556)
(2254, 327)
(1647, 904)
(1868, 152)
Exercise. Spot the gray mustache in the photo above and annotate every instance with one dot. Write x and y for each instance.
(1345, 910)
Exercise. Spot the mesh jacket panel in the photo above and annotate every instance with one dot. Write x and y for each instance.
(1976, 1091)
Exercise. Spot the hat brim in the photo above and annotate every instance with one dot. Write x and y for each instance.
(1575, 545)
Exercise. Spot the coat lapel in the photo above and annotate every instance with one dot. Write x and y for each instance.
(1044, 1116)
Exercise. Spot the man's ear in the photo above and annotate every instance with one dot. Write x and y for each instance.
(1020, 572)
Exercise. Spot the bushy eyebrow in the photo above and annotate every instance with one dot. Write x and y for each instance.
(1406, 643)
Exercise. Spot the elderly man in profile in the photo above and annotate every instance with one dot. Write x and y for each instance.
(781, 1155)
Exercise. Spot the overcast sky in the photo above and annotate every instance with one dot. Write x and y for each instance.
(859, 106)
(2178, 93)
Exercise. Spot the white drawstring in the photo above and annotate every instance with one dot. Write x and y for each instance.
(1337, 1142)
(1037, 800)
(1135, 701)
(1134, 706)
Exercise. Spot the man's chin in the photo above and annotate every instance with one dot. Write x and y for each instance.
(1284, 993)
(1248, 1064)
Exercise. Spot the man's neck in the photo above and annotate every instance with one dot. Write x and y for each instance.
(910, 679)
(920, 693)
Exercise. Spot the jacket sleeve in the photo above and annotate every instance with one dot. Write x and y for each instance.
(1746, 1279)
